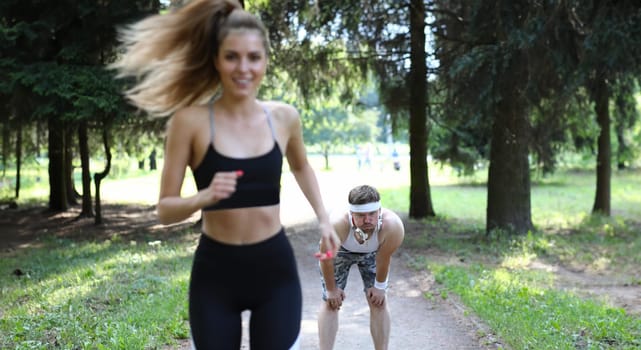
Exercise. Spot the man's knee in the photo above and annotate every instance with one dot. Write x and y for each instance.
(326, 308)
(375, 309)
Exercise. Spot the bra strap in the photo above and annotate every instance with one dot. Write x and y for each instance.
(269, 121)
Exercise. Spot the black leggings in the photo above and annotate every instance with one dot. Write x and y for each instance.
(229, 279)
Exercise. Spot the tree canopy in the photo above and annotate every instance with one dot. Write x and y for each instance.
(511, 84)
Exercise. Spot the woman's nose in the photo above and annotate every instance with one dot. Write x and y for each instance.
(243, 64)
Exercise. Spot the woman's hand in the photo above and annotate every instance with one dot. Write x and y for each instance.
(222, 186)
(329, 241)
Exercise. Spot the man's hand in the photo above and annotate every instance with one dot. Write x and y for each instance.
(335, 298)
(376, 296)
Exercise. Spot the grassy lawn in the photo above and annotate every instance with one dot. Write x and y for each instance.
(122, 294)
(95, 295)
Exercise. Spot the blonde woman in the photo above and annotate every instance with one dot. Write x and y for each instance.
(203, 65)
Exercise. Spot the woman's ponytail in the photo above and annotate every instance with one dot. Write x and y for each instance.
(171, 56)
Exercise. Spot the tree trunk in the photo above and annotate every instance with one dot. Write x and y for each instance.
(152, 160)
(83, 145)
(619, 129)
(57, 190)
(18, 155)
(72, 194)
(420, 197)
(604, 153)
(622, 149)
(97, 177)
(508, 186)
(18, 107)
(326, 157)
(6, 144)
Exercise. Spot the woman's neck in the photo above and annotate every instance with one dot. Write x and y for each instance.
(238, 106)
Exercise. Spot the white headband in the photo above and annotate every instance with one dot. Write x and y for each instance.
(365, 208)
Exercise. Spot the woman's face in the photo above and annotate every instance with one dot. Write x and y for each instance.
(241, 62)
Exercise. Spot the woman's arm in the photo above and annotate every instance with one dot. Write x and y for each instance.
(306, 178)
(172, 207)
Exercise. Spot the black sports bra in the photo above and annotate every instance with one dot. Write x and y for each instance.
(260, 183)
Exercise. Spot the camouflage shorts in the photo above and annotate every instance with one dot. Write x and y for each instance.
(344, 260)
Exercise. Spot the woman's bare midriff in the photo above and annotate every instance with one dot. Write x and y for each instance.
(243, 225)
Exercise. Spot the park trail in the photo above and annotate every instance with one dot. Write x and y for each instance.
(419, 321)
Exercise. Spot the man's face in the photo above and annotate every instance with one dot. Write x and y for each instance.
(366, 221)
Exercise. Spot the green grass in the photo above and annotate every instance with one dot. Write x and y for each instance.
(526, 311)
(95, 295)
(117, 294)
(522, 304)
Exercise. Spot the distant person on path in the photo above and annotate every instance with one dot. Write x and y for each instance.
(368, 155)
(370, 235)
(359, 156)
(396, 160)
(203, 65)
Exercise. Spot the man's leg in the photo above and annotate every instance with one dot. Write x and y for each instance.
(379, 325)
(328, 317)
(379, 320)
(327, 326)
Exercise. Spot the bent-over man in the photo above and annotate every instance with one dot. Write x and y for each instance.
(369, 236)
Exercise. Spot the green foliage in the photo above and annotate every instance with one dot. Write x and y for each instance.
(320, 48)
(73, 92)
(331, 121)
(545, 52)
(52, 70)
(57, 52)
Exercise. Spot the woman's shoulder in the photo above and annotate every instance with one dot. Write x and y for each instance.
(188, 116)
(281, 110)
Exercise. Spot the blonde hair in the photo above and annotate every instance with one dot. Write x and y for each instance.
(172, 55)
